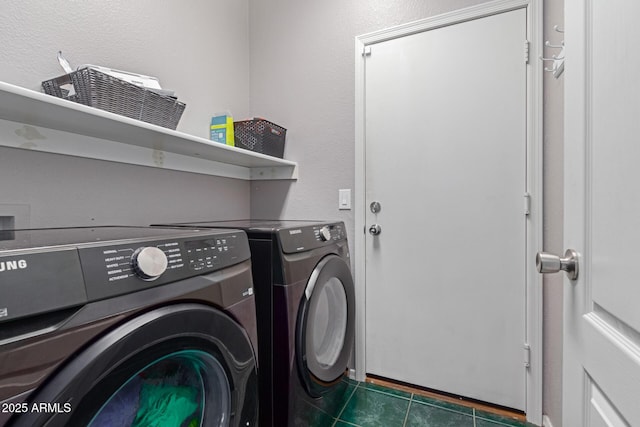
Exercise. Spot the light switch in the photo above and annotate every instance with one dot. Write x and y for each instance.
(344, 199)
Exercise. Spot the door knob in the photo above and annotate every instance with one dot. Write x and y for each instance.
(375, 229)
(549, 263)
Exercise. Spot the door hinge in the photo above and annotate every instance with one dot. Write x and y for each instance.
(366, 51)
(526, 51)
(527, 355)
(527, 203)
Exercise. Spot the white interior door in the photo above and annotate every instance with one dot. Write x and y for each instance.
(601, 384)
(445, 142)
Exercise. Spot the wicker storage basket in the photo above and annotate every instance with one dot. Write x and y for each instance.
(100, 90)
(261, 136)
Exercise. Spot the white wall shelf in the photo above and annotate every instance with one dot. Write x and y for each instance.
(32, 120)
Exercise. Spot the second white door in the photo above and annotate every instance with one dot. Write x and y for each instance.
(445, 141)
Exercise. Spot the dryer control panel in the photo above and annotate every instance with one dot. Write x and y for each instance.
(306, 238)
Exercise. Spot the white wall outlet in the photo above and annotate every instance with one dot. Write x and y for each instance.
(344, 199)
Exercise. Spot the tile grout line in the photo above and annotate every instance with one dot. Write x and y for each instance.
(445, 408)
(386, 393)
(346, 404)
(406, 416)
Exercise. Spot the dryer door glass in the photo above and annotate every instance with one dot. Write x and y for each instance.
(326, 327)
(173, 391)
(328, 313)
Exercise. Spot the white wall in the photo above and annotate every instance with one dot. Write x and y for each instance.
(302, 77)
(56, 191)
(198, 48)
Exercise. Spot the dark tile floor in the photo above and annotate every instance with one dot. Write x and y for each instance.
(370, 405)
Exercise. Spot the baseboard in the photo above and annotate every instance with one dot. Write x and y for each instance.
(546, 422)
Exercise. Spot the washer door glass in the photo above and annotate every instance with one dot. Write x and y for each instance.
(185, 364)
(172, 391)
(325, 329)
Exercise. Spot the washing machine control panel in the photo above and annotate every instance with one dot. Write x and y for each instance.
(306, 238)
(45, 270)
(123, 268)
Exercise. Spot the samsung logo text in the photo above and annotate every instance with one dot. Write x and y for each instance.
(19, 264)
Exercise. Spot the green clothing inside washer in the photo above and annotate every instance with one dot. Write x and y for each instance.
(167, 406)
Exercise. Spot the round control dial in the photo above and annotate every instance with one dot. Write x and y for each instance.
(325, 233)
(149, 262)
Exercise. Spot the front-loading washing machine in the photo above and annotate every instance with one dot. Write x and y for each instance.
(305, 300)
(127, 326)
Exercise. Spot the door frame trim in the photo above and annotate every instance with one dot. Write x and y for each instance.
(533, 280)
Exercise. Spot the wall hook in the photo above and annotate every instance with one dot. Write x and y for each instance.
(557, 66)
(555, 46)
(557, 60)
(553, 58)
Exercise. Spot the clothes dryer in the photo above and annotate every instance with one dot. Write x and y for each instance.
(123, 326)
(306, 316)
